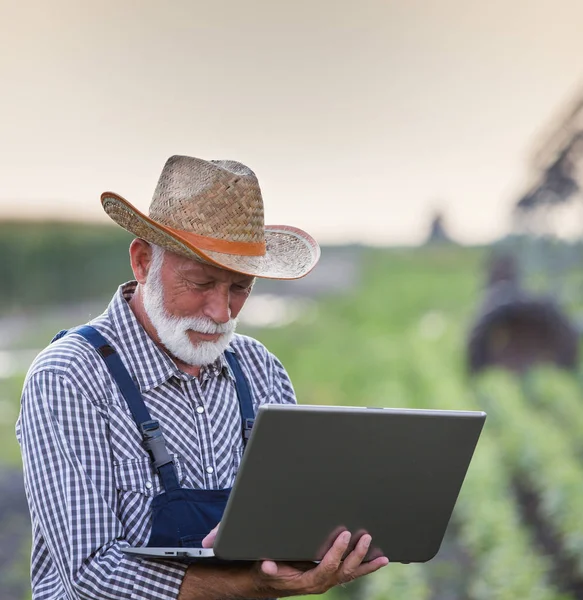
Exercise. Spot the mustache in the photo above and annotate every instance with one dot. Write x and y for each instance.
(204, 325)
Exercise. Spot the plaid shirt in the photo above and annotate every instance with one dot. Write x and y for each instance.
(88, 480)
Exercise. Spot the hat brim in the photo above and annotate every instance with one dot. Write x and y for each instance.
(291, 253)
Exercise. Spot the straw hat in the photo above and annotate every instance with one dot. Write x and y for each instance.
(213, 210)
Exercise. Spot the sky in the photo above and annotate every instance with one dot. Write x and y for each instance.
(360, 119)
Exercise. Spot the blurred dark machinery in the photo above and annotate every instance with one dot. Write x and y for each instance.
(437, 230)
(516, 327)
(516, 330)
(555, 168)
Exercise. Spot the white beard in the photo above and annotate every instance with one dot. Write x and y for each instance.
(173, 331)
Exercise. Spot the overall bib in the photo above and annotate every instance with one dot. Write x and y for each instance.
(181, 517)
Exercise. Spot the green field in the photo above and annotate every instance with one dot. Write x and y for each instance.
(398, 339)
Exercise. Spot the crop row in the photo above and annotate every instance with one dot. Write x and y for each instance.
(558, 395)
(541, 451)
(505, 561)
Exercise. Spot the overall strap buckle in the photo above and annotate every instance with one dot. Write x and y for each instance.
(247, 428)
(154, 443)
(243, 395)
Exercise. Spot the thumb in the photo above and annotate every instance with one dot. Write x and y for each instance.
(269, 568)
(209, 540)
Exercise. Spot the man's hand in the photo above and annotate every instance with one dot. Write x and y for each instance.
(268, 578)
(286, 579)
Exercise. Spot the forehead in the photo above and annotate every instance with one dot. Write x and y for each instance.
(194, 268)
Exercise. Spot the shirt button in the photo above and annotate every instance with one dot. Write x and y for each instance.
(148, 485)
(200, 409)
(209, 470)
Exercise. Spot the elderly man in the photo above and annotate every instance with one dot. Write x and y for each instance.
(131, 427)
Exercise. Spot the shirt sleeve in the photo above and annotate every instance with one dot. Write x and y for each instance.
(71, 491)
(283, 390)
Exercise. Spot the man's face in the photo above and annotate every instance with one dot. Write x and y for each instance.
(193, 306)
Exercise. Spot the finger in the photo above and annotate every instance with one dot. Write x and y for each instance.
(209, 540)
(330, 563)
(355, 558)
(370, 567)
(333, 557)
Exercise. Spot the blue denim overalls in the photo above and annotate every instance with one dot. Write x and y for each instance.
(181, 517)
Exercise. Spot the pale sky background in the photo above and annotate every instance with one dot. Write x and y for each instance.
(359, 118)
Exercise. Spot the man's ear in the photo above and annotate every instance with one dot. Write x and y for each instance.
(140, 259)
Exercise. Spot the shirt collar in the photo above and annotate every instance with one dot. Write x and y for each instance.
(150, 366)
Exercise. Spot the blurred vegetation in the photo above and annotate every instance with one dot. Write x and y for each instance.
(9, 405)
(60, 263)
(398, 339)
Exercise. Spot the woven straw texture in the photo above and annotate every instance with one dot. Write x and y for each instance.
(221, 202)
(228, 203)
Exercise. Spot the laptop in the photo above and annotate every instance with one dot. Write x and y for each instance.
(311, 472)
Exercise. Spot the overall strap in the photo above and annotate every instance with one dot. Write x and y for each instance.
(243, 394)
(150, 431)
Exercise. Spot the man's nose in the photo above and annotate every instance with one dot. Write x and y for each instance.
(217, 306)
